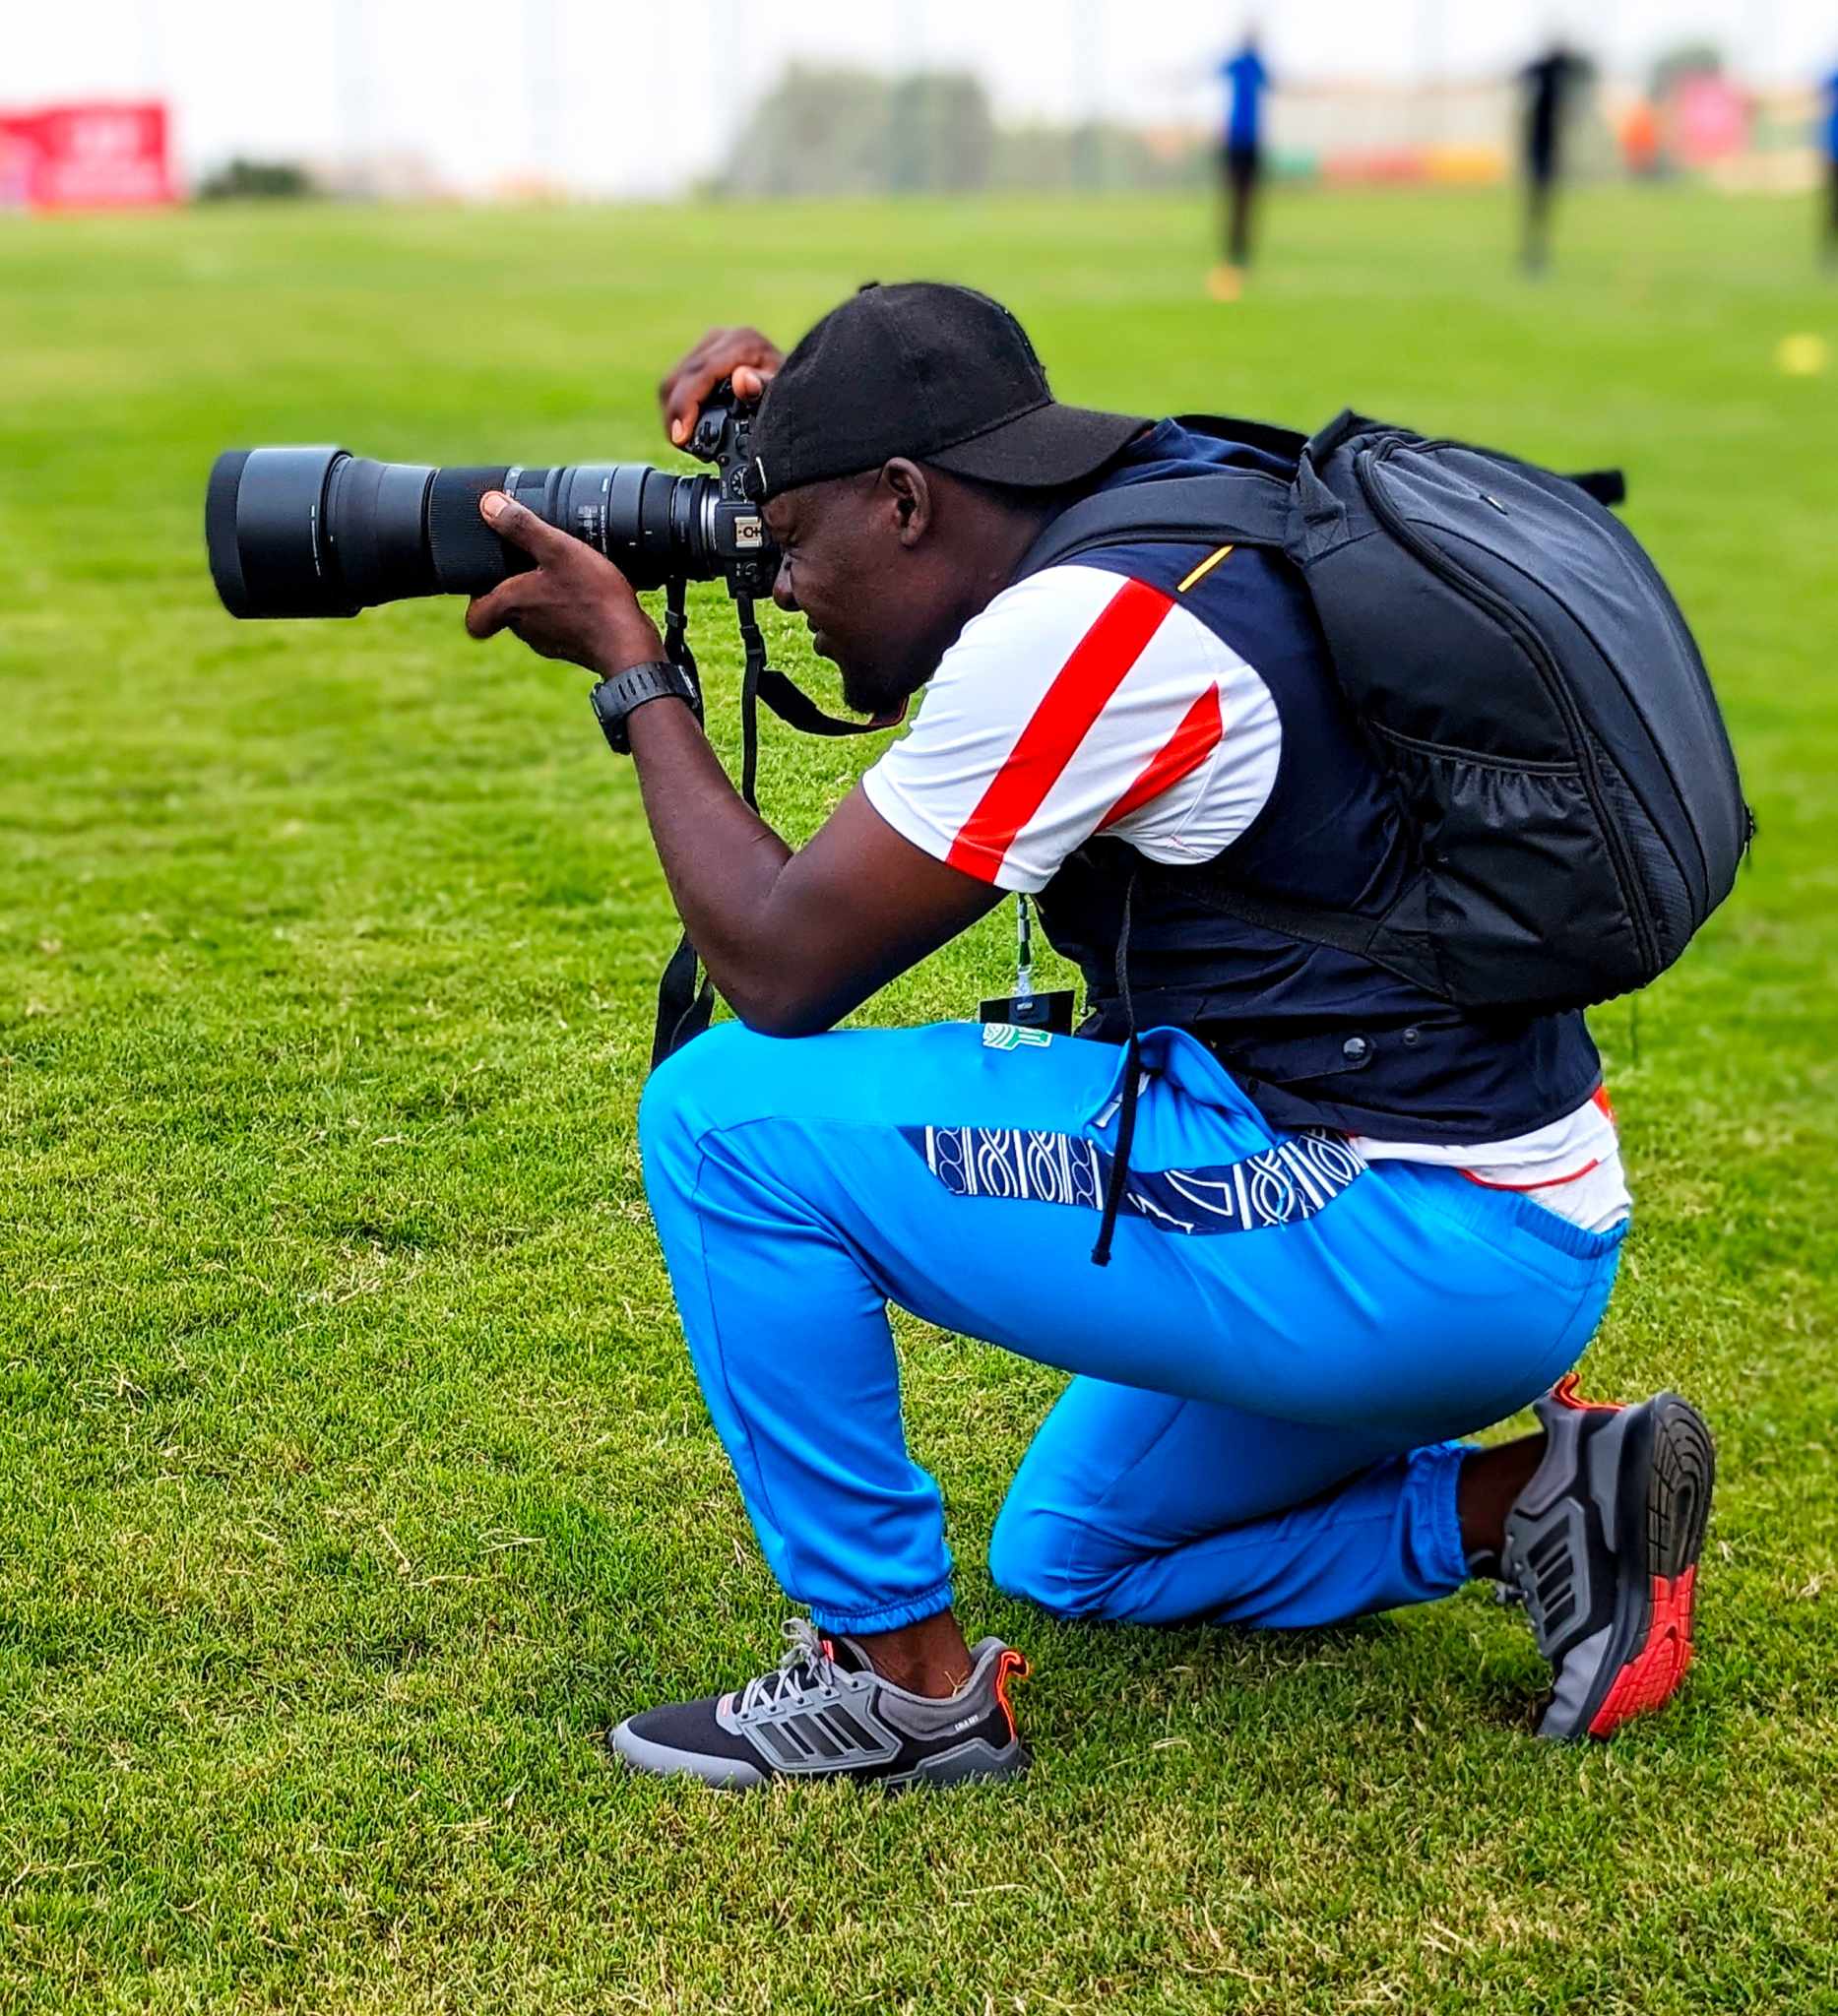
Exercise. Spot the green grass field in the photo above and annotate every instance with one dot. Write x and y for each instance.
(352, 1473)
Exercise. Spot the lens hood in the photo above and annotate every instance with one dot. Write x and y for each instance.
(264, 527)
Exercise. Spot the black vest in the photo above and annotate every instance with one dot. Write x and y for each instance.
(1317, 1036)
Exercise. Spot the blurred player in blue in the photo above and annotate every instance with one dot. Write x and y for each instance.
(1241, 158)
(1831, 169)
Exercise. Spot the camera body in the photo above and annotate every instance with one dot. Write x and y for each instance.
(723, 436)
(318, 532)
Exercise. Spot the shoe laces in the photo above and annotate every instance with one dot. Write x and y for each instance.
(806, 1666)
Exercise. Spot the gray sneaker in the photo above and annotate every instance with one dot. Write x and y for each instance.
(824, 1712)
(1603, 1545)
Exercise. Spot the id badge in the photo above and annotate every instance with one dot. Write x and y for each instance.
(1050, 1011)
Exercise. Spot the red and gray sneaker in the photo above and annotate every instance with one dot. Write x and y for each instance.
(824, 1712)
(1603, 1545)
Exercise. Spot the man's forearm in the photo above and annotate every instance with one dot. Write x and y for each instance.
(793, 940)
(720, 858)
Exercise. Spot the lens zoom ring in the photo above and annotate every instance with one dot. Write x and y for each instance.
(468, 556)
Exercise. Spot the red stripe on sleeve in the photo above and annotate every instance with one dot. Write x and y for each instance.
(1198, 735)
(1083, 685)
(1546, 1183)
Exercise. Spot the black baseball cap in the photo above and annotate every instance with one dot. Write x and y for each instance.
(939, 373)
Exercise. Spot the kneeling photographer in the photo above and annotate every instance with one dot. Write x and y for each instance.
(1334, 1136)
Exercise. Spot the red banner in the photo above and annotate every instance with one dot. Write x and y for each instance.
(95, 157)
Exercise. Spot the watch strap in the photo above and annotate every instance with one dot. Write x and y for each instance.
(617, 699)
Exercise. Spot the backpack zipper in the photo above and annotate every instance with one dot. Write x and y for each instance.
(1509, 619)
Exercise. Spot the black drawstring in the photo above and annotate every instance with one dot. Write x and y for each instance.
(1127, 1108)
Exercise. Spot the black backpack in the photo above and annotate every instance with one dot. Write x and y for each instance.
(1520, 671)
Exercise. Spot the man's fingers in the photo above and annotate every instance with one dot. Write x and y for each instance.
(521, 527)
(743, 355)
(487, 614)
(683, 402)
(682, 392)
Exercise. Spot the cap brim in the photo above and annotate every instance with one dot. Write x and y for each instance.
(1042, 449)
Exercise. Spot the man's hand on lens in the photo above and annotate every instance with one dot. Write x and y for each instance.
(743, 355)
(573, 605)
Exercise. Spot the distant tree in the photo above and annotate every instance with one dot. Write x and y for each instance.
(816, 133)
(241, 180)
(1686, 59)
(831, 132)
(942, 134)
(834, 132)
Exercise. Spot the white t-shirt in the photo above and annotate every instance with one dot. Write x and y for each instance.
(1083, 702)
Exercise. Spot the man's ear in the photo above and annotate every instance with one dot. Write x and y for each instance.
(908, 489)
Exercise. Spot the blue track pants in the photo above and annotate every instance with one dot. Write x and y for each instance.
(1269, 1370)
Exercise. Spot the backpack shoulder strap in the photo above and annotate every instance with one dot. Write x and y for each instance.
(1241, 505)
(1341, 929)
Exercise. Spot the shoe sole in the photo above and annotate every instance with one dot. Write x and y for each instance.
(659, 1760)
(1665, 1502)
(968, 1764)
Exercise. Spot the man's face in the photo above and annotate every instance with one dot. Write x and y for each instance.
(878, 604)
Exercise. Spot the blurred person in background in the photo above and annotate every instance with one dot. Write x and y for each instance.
(1641, 154)
(1548, 81)
(1242, 162)
(1831, 169)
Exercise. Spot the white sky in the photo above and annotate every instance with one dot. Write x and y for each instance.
(637, 96)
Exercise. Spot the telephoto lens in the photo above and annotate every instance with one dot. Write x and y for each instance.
(318, 532)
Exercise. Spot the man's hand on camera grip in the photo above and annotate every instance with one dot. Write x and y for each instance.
(743, 355)
(573, 605)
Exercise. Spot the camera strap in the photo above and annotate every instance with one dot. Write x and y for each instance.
(685, 1004)
(797, 710)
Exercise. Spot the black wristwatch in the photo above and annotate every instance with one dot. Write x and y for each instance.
(616, 699)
